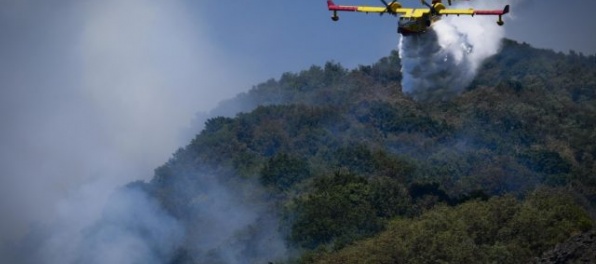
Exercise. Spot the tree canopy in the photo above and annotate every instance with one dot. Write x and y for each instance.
(357, 172)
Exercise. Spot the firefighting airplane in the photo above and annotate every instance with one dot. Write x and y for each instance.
(414, 21)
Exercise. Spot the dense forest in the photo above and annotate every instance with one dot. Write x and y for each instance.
(342, 167)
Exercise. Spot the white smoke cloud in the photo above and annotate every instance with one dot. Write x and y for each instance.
(442, 62)
(94, 95)
(132, 228)
(228, 222)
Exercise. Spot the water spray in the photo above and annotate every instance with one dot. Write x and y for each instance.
(440, 63)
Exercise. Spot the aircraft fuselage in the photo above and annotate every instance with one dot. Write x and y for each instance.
(407, 26)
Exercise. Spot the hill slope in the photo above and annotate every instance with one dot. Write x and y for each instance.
(327, 157)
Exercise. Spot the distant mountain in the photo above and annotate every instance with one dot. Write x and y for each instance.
(333, 165)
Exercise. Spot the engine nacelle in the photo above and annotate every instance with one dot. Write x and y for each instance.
(394, 6)
(438, 6)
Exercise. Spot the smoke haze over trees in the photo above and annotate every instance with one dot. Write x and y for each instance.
(335, 165)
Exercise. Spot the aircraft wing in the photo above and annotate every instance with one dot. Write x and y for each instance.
(366, 9)
(456, 12)
(472, 12)
(395, 8)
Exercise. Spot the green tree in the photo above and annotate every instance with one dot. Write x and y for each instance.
(283, 171)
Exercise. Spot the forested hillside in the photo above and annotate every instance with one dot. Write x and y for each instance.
(341, 167)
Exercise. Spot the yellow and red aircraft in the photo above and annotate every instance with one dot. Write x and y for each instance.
(415, 20)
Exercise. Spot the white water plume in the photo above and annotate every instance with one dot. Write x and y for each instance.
(441, 63)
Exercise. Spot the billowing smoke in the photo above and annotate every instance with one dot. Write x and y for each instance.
(94, 95)
(133, 228)
(197, 219)
(226, 221)
(442, 62)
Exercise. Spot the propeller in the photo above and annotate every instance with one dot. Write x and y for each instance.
(389, 10)
(432, 8)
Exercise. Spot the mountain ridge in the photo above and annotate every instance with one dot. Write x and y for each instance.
(329, 157)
